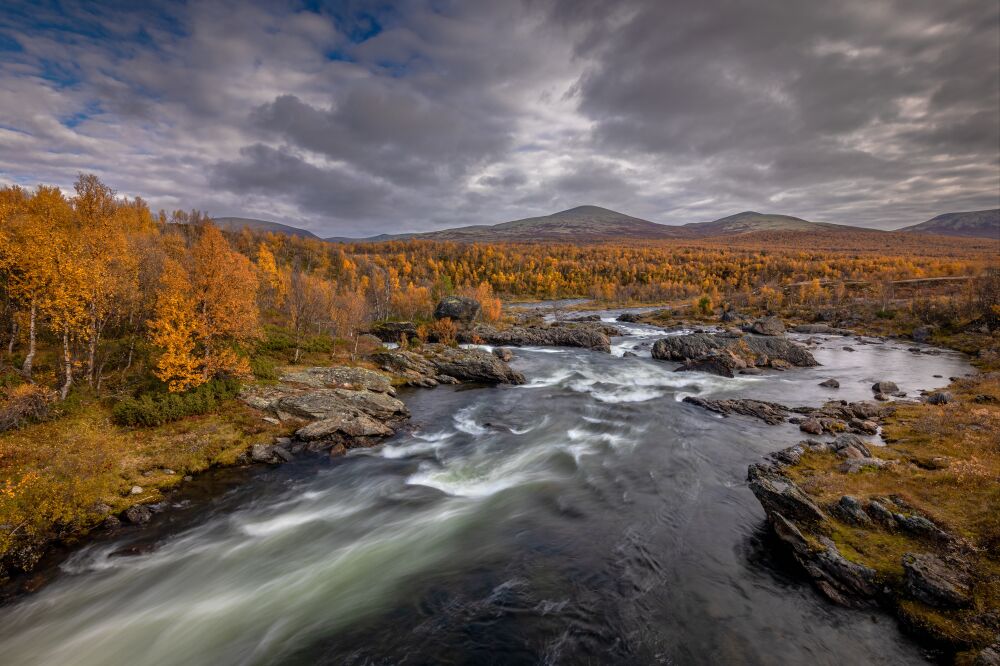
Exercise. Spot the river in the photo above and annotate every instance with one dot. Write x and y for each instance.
(586, 517)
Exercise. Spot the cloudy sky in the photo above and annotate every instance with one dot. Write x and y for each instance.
(355, 118)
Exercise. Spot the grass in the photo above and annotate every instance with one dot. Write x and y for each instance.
(60, 478)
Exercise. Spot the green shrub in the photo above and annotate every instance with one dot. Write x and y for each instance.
(155, 409)
(264, 368)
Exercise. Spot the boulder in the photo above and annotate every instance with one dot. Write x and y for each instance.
(140, 514)
(262, 453)
(820, 329)
(504, 354)
(770, 412)
(475, 365)
(849, 509)
(940, 398)
(923, 333)
(320, 403)
(458, 308)
(768, 326)
(393, 331)
(830, 383)
(344, 426)
(437, 364)
(779, 495)
(936, 581)
(722, 363)
(730, 316)
(885, 387)
(354, 379)
(811, 426)
(688, 347)
(586, 336)
(629, 317)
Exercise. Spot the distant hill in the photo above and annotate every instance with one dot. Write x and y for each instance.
(580, 224)
(240, 223)
(971, 224)
(752, 222)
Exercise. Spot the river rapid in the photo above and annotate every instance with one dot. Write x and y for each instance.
(587, 517)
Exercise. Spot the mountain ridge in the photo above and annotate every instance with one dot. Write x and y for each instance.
(968, 224)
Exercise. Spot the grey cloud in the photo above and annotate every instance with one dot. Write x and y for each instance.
(878, 113)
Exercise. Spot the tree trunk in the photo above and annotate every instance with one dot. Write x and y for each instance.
(13, 337)
(30, 358)
(92, 350)
(67, 368)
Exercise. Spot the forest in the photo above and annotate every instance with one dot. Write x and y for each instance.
(100, 294)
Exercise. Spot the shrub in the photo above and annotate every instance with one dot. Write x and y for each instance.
(263, 368)
(155, 409)
(25, 403)
(445, 330)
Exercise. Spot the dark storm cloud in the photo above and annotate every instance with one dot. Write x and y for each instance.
(366, 117)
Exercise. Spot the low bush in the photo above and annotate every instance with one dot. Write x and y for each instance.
(155, 409)
(25, 403)
(264, 368)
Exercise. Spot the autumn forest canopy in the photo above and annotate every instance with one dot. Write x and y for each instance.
(125, 296)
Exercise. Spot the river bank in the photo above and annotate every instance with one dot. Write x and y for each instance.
(485, 509)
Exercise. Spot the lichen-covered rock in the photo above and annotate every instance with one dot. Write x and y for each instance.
(342, 377)
(320, 403)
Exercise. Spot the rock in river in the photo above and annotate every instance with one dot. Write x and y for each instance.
(722, 353)
(768, 326)
(586, 335)
(458, 308)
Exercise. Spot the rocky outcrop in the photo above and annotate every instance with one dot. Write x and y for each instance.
(458, 308)
(937, 581)
(726, 353)
(835, 417)
(584, 335)
(821, 329)
(440, 364)
(349, 378)
(768, 326)
(769, 412)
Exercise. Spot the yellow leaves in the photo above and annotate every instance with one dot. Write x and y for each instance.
(174, 329)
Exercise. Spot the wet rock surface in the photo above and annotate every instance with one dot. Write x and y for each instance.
(586, 335)
(725, 353)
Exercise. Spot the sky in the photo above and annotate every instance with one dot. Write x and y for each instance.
(357, 118)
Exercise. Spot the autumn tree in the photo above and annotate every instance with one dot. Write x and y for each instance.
(174, 330)
(224, 286)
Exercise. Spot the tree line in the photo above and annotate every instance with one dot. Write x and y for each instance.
(112, 291)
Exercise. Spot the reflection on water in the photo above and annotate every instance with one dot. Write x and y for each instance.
(588, 516)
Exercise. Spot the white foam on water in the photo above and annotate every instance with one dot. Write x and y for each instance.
(465, 423)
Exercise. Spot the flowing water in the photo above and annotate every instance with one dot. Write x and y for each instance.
(587, 517)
